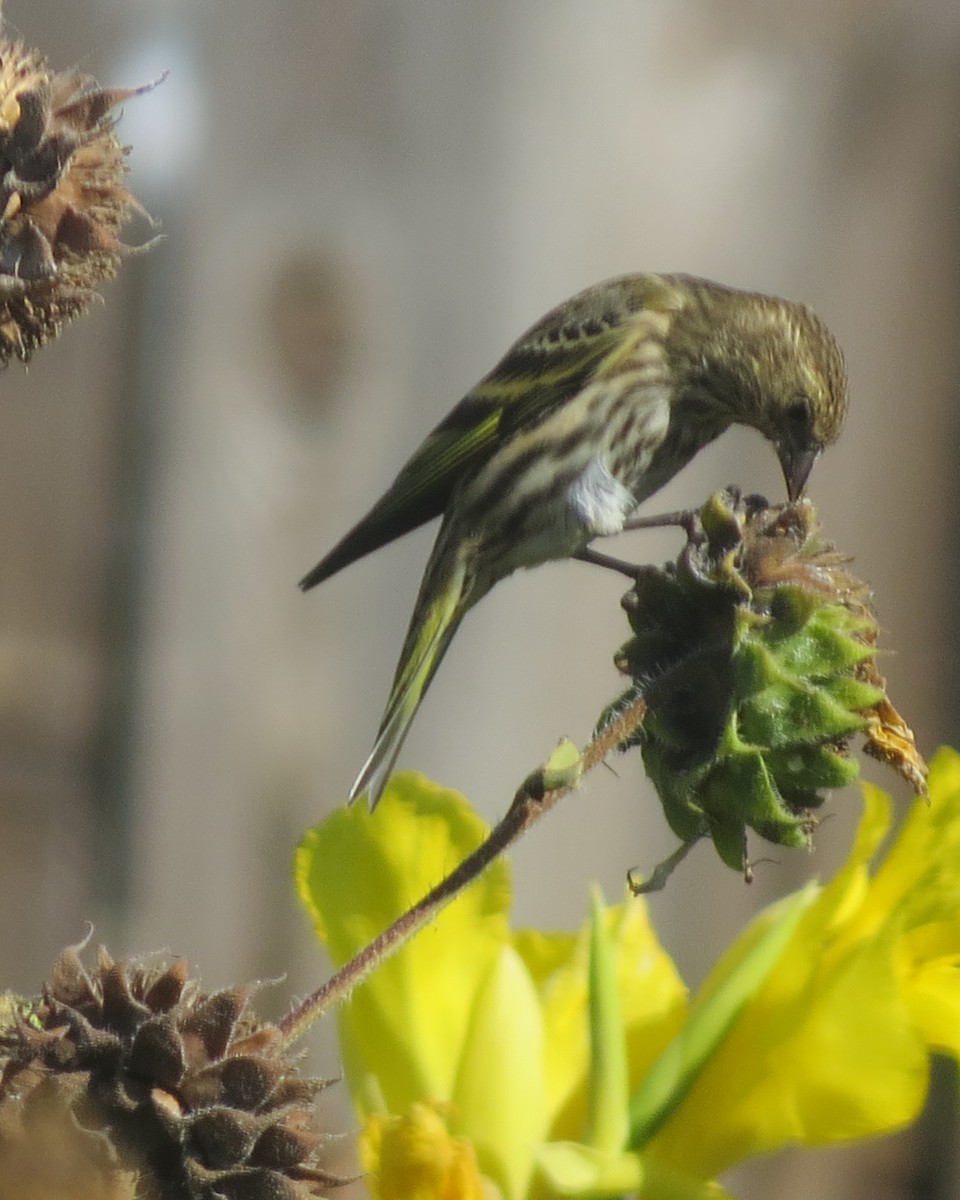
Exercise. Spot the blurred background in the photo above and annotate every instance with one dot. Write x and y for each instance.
(363, 203)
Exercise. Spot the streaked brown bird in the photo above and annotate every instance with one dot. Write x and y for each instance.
(590, 412)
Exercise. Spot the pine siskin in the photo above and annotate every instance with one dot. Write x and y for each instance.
(596, 407)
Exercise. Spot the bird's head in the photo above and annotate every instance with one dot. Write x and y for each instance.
(802, 393)
(774, 365)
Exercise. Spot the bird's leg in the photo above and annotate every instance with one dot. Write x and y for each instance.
(588, 555)
(686, 518)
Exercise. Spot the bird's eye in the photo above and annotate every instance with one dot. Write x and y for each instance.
(800, 413)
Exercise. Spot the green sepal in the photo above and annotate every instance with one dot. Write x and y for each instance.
(793, 713)
(608, 1080)
(711, 1016)
(572, 1169)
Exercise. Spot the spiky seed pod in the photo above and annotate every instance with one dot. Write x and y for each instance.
(62, 196)
(129, 1081)
(756, 653)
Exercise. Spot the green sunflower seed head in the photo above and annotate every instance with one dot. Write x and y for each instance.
(756, 652)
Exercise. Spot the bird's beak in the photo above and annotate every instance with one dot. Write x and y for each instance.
(797, 466)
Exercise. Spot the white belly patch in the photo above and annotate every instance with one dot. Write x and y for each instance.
(600, 503)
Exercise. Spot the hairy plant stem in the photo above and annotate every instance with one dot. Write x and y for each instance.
(532, 801)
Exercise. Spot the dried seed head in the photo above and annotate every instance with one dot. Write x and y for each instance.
(756, 654)
(62, 196)
(128, 1081)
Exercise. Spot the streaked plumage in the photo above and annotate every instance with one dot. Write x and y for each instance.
(588, 414)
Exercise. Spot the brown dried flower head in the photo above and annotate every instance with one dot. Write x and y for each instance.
(129, 1083)
(62, 196)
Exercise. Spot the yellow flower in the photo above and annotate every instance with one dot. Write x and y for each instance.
(834, 1045)
(491, 1065)
(471, 1045)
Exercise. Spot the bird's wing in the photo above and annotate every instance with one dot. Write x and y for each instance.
(421, 490)
(558, 355)
(543, 369)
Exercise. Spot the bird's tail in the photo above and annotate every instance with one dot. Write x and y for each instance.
(443, 600)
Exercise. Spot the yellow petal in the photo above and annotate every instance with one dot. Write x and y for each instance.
(715, 1012)
(828, 1049)
(919, 882)
(572, 1169)
(929, 960)
(500, 1093)
(581, 1171)
(921, 872)
(403, 1030)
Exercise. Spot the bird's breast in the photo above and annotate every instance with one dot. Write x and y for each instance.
(575, 475)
